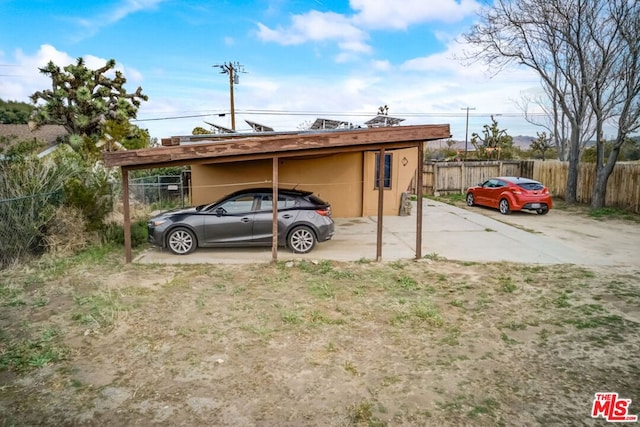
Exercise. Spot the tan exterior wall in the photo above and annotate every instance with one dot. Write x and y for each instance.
(402, 172)
(336, 179)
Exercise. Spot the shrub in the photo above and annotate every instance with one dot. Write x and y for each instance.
(113, 232)
(30, 192)
(92, 194)
(62, 235)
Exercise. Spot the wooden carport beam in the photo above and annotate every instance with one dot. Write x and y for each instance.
(127, 216)
(274, 203)
(419, 195)
(380, 179)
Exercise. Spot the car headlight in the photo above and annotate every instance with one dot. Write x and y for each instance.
(157, 222)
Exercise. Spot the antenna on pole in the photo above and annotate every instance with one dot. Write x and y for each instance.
(231, 68)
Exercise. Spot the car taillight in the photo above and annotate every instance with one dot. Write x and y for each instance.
(324, 212)
(516, 191)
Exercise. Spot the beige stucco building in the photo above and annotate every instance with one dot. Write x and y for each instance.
(346, 180)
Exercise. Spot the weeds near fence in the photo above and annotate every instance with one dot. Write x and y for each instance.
(613, 213)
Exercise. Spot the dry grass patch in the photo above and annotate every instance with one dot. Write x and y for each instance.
(89, 340)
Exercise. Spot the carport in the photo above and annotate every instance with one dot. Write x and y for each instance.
(277, 146)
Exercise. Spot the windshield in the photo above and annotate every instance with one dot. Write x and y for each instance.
(208, 206)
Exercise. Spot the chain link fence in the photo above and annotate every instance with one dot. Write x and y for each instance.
(23, 222)
(161, 191)
(26, 221)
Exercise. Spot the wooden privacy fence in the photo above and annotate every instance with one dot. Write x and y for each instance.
(442, 178)
(623, 187)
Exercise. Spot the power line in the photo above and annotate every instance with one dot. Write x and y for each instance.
(368, 114)
(336, 114)
(174, 117)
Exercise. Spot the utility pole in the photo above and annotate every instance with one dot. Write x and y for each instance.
(466, 133)
(231, 68)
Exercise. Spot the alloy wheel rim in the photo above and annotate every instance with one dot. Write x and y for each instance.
(180, 242)
(301, 240)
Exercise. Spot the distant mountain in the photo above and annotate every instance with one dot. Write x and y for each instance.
(521, 141)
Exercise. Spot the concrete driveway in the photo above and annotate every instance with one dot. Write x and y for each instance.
(476, 234)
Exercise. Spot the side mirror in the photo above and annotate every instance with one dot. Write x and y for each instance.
(220, 211)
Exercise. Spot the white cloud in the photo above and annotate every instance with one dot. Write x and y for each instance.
(317, 27)
(355, 46)
(93, 25)
(44, 55)
(350, 32)
(381, 65)
(133, 75)
(380, 14)
(26, 78)
(449, 85)
(129, 7)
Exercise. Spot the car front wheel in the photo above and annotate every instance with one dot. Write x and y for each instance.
(470, 201)
(181, 241)
(504, 207)
(301, 240)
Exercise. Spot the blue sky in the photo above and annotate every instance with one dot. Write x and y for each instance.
(303, 59)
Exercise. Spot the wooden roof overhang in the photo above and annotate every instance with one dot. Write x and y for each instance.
(253, 147)
(276, 146)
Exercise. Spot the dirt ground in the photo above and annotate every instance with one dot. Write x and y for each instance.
(613, 238)
(86, 340)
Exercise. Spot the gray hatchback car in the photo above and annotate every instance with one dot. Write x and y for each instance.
(245, 218)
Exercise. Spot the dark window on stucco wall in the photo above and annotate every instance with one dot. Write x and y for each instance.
(387, 170)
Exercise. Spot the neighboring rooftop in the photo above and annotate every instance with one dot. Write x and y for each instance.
(47, 136)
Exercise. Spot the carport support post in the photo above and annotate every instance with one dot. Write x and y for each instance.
(126, 213)
(274, 203)
(419, 195)
(380, 205)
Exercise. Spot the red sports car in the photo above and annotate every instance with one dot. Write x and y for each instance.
(508, 193)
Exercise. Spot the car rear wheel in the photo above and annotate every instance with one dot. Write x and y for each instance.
(504, 207)
(543, 210)
(301, 240)
(181, 241)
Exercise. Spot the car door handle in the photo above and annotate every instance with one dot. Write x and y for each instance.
(245, 219)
